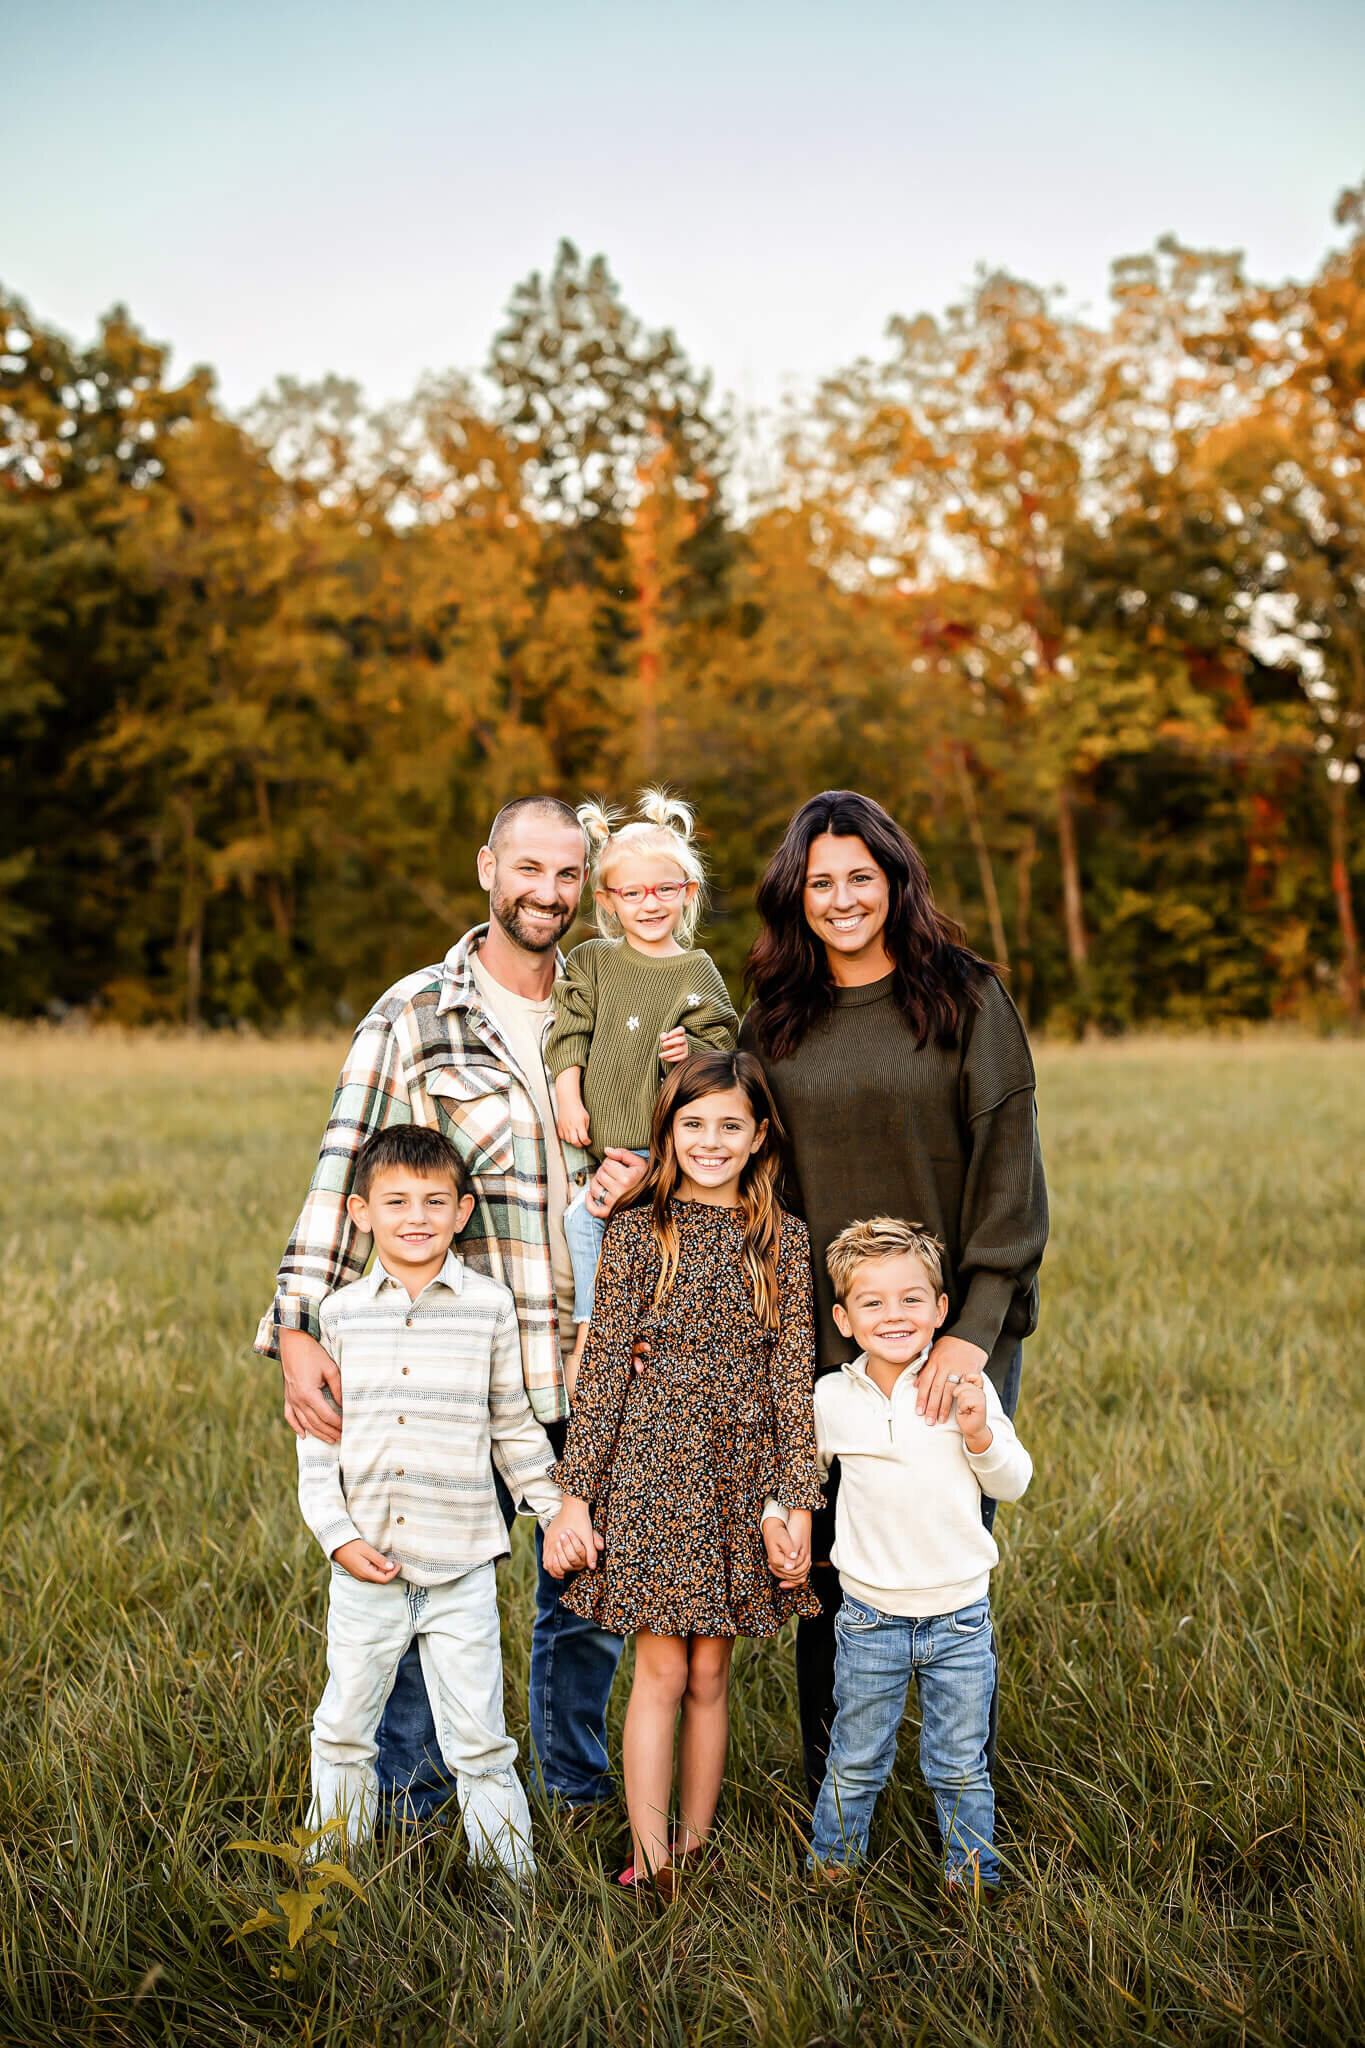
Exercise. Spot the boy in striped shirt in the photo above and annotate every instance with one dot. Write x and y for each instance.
(404, 1506)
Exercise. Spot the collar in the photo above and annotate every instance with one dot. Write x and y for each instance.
(459, 990)
(451, 1275)
(856, 1368)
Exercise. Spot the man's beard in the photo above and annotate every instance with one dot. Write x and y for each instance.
(532, 938)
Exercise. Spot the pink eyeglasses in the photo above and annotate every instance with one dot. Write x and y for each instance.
(667, 892)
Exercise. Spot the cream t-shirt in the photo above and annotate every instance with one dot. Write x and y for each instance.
(522, 1024)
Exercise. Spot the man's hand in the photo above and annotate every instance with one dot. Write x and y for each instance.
(673, 1046)
(618, 1176)
(571, 1118)
(571, 1543)
(363, 1561)
(952, 1361)
(970, 1413)
(307, 1370)
(788, 1547)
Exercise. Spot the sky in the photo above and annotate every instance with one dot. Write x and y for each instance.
(304, 187)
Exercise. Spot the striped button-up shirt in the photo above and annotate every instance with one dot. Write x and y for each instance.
(429, 1053)
(428, 1389)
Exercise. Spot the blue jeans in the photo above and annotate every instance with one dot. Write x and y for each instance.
(952, 1658)
(573, 1663)
(583, 1234)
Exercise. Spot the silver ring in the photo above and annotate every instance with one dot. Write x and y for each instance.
(955, 1379)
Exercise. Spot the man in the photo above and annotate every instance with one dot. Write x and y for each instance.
(458, 1048)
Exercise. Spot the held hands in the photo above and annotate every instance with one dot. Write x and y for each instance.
(363, 1561)
(571, 1543)
(571, 1119)
(788, 1547)
(673, 1046)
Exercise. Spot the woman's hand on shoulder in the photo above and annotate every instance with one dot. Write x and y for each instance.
(951, 1362)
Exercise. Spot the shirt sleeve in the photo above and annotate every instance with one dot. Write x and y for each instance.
(1004, 1200)
(604, 1376)
(326, 1249)
(1005, 1468)
(521, 1449)
(791, 1373)
(710, 1024)
(322, 1498)
(575, 1017)
(773, 1509)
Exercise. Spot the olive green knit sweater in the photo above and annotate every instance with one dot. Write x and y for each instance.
(611, 1008)
(946, 1137)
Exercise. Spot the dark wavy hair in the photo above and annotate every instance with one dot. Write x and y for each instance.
(936, 975)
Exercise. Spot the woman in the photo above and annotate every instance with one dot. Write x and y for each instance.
(902, 1072)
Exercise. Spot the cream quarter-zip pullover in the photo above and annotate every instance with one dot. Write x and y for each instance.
(908, 1536)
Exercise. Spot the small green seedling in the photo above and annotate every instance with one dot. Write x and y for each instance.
(301, 1918)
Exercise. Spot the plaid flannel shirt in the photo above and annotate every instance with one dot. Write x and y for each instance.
(429, 1053)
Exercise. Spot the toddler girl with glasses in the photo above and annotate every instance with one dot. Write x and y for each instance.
(633, 1002)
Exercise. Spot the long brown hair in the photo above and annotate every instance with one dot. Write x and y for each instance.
(936, 975)
(715, 1073)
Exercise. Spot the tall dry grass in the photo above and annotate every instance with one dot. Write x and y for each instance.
(1180, 1611)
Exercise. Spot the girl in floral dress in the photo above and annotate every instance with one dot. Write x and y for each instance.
(665, 1475)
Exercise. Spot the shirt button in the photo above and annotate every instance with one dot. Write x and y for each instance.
(400, 1521)
(407, 1322)
(402, 1418)
(399, 1473)
(406, 1370)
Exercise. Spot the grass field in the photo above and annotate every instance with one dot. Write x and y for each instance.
(1181, 1612)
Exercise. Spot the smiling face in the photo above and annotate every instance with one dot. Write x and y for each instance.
(846, 900)
(647, 919)
(891, 1310)
(534, 880)
(714, 1139)
(413, 1218)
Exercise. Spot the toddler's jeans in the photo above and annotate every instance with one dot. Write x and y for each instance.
(952, 1659)
(583, 1233)
(369, 1627)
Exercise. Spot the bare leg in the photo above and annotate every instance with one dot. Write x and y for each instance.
(704, 1737)
(647, 1745)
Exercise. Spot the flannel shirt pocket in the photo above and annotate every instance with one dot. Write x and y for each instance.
(475, 1109)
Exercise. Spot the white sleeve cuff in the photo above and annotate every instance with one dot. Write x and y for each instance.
(773, 1511)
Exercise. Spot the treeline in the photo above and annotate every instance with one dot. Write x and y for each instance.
(1083, 605)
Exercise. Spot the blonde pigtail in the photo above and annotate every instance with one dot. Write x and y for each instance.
(668, 812)
(598, 824)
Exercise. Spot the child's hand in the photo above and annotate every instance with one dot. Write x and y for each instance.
(571, 1119)
(363, 1561)
(673, 1046)
(969, 1407)
(571, 1543)
(788, 1547)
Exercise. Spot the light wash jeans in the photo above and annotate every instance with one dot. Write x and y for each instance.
(952, 1658)
(583, 1234)
(369, 1627)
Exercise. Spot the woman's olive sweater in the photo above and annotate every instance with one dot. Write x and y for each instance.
(949, 1139)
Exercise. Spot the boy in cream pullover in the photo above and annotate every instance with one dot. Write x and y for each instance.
(913, 1557)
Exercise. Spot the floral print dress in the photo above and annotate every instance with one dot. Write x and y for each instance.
(676, 1463)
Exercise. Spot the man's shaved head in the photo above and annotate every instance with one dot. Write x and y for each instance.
(548, 808)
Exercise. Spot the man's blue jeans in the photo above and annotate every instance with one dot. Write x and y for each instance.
(573, 1663)
(952, 1659)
